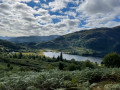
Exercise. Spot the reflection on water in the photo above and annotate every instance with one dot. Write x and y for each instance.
(76, 57)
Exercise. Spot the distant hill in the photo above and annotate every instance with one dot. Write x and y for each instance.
(6, 45)
(5, 38)
(96, 42)
(33, 38)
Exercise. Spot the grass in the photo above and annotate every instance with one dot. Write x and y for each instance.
(3, 67)
(38, 52)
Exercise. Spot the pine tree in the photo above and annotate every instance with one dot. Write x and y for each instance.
(20, 55)
(58, 58)
(15, 56)
(61, 66)
(61, 57)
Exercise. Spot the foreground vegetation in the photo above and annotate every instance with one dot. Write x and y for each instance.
(88, 79)
(34, 71)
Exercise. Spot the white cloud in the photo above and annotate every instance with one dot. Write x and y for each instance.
(45, 6)
(36, 1)
(5, 6)
(60, 4)
(71, 13)
(57, 5)
(44, 19)
(98, 13)
(14, 1)
(99, 6)
(42, 11)
(19, 19)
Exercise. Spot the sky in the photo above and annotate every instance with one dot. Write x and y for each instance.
(56, 17)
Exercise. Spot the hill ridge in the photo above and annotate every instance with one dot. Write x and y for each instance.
(98, 42)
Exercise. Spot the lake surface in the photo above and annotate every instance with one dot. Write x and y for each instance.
(76, 57)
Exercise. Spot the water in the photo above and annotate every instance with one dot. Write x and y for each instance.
(76, 57)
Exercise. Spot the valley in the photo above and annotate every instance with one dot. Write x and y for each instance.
(75, 61)
(59, 44)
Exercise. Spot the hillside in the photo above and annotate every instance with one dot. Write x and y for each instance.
(6, 45)
(32, 38)
(95, 42)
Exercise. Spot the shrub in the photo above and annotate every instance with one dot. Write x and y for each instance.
(112, 87)
(88, 64)
(111, 60)
(72, 67)
(56, 79)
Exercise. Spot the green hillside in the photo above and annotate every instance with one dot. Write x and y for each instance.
(28, 39)
(96, 42)
(6, 45)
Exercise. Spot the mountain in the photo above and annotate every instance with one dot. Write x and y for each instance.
(5, 38)
(33, 38)
(94, 42)
(6, 45)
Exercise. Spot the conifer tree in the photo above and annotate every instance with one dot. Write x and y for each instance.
(61, 57)
(20, 55)
(61, 66)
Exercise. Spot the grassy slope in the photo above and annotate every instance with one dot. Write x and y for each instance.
(8, 45)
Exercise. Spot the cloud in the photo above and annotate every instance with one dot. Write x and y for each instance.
(5, 6)
(99, 6)
(29, 19)
(17, 19)
(22, 7)
(71, 13)
(58, 17)
(60, 4)
(14, 1)
(57, 5)
(45, 6)
(42, 11)
(98, 13)
(36, 1)
(44, 19)
(60, 25)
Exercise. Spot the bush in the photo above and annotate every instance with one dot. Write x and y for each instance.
(88, 64)
(72, 67)
(56, 79)
(111, 60)
(112, 87)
